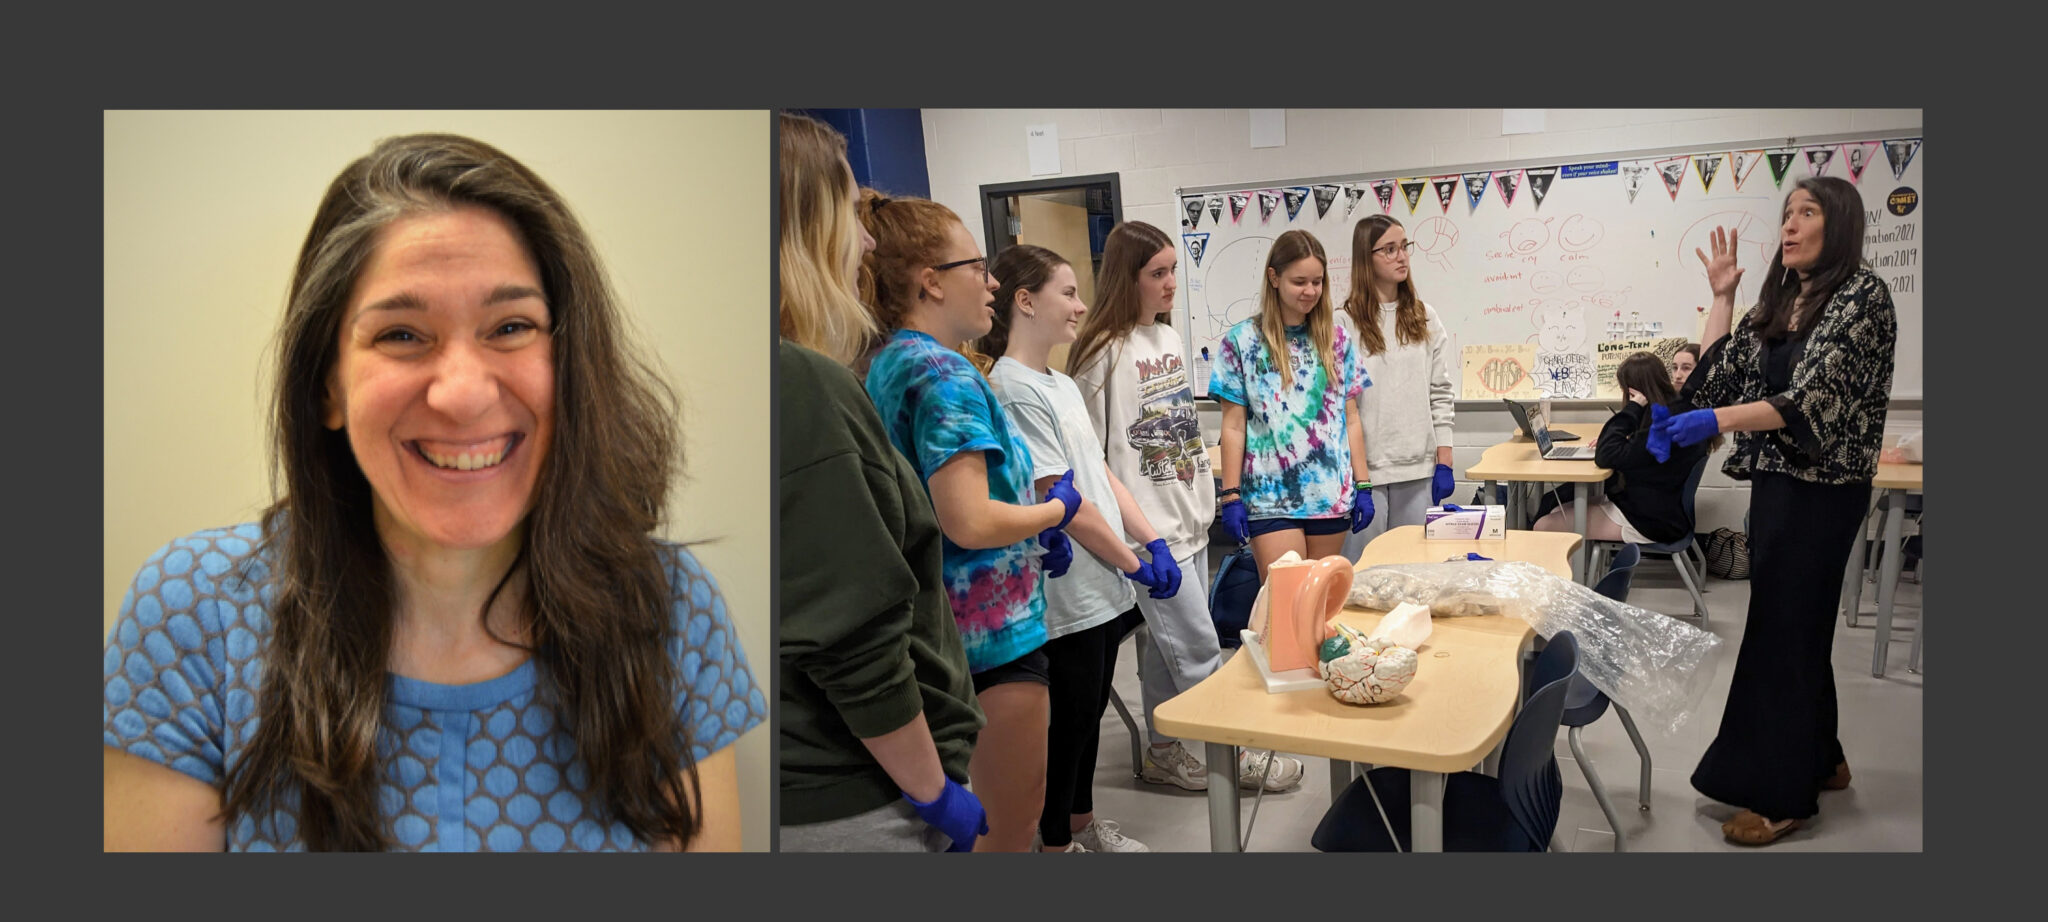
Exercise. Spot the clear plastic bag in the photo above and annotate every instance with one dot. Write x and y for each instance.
(1653, 664)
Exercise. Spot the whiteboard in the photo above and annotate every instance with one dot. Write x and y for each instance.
(1588, 263)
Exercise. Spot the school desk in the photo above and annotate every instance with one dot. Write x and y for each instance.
(1450, 718)
(1894, 480)
(1518, 461)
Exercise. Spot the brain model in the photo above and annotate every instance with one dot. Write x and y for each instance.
(1362, 671)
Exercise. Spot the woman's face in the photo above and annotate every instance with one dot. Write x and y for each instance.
(1056, 306)
(1300, 284)
(1799, 237)
(965, 294)
(445, 379)
(1156, 283)
(1390, 256)
(1681, 367)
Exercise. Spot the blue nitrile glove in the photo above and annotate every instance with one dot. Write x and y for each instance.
(1660, 433)
(1236, 522)
(957, 813)
(1441, 484)
(1693, 427)
(1361, 510)
(1063, 490)
(1144, 575)
(1472, 556)
(1164, 568)
(1059, 552)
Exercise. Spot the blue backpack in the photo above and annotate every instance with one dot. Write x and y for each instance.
(1231, 595)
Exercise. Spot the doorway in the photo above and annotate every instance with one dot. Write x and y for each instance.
(1070, 216)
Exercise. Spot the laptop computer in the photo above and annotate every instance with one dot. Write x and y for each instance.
(1539, 429)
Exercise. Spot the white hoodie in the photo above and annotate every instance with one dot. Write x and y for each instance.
(1408, 410)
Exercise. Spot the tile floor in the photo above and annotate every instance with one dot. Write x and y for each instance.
(1880, 729)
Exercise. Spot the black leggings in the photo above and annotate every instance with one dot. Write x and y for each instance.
(1777, 740)
(1083, 665)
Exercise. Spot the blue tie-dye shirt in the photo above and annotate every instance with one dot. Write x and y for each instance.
(936, 405)
(1297, 461)
(483, 766)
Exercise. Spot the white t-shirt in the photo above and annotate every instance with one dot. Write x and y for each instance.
(1144, 413)
(1409, 409)
(1047, 410)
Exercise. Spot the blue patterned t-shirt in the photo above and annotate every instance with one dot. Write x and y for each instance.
(936, 405)
(1297, 460)
(483, 766)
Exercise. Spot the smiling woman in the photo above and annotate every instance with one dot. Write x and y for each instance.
(454, 626)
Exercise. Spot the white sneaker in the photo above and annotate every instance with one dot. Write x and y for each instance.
(1174, 765)
(1103, 836)
(1075, 846)
(1251, 767)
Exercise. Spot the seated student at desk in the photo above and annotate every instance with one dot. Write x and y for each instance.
(1645, 502)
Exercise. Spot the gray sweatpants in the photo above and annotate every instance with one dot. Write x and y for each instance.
(1394, 505)
(894, 828)
(1177, 646)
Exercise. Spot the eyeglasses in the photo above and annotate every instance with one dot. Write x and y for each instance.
(1389, 251)
(983, 260)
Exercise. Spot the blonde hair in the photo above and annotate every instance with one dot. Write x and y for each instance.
(820, 242)
(1293, 246)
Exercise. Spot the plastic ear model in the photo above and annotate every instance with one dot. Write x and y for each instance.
(1359, 670)
(1305, 597)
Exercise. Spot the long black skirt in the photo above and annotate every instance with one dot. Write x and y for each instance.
(1777, 741)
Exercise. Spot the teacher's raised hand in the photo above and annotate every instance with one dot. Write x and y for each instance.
(1722, 273)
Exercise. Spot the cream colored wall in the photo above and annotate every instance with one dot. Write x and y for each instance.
(204, 213)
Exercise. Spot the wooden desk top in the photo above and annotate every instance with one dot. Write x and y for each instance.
(1516, 459)
(1892, 476)
(1458, 708)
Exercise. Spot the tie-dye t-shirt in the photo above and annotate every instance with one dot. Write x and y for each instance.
(486, 766)
(936, 405)
(1297, 461)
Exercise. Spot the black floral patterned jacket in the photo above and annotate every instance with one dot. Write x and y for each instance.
(1841, 383)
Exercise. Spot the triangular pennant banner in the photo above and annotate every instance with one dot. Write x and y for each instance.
(1197, 244)
(1238, 201)
(1446, 189)
(1193, 205)
(1269, 199)
(1507, 181)
(1742, 162)
(1707, 165)
(1351, 196)
(1632, 174)
(1384, 191)
(1818, 159)
(1860, 154)
(1539, 182)
(1295, 196)
(1325, 196)
(1475, 188)
(1673, 172)
(1215, 209)
(1412, 190)
(1899, 152)
(1781, 160)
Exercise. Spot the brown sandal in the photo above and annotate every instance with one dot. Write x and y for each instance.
(1750, 828)
(1837, 781)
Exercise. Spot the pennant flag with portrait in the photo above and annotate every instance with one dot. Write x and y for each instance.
(1384, 191)
(1193, 206)
(1215, 209)
(1781, 160)
(1507, 181)
(1446, 189)
(1475, 188)
(1673, 173)
(1818, 159)
(1741, 162)
(1294, 196)
(1238, 202)
(1707, 165)
(1632, 174)
(1540, 178)
(1859, 155)
(1197, 244)
(1411, 189)
(1269, 202)
(1326, 195)
(1352, 195)
(1899, 153)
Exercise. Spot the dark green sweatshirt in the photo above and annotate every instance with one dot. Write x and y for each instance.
(866, 638)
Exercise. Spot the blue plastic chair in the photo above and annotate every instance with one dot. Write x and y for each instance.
(1516, 812)
(1584, 703)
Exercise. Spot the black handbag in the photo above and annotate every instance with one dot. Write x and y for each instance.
(1728, 554)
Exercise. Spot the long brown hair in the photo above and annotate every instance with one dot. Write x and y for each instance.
(1646, 374)
(1841, 254)
(1114, 314)
(1021, 267)
(1293, 246)
(597, 597)
(818, 307)
(1411, 321)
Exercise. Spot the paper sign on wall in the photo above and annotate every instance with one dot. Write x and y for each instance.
(1493, 371)
(1042, 142)
(1608, 356)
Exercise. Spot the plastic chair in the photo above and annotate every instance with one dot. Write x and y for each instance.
(1516, 812)
(1584, 703)
(1679, 548)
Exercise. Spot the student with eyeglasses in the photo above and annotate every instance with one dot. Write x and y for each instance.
(930, 291)
(1406, 355)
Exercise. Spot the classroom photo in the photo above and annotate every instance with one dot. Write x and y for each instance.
(435, 511)
(1178, 480)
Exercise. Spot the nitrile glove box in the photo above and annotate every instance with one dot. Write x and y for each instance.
(1465, 523)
